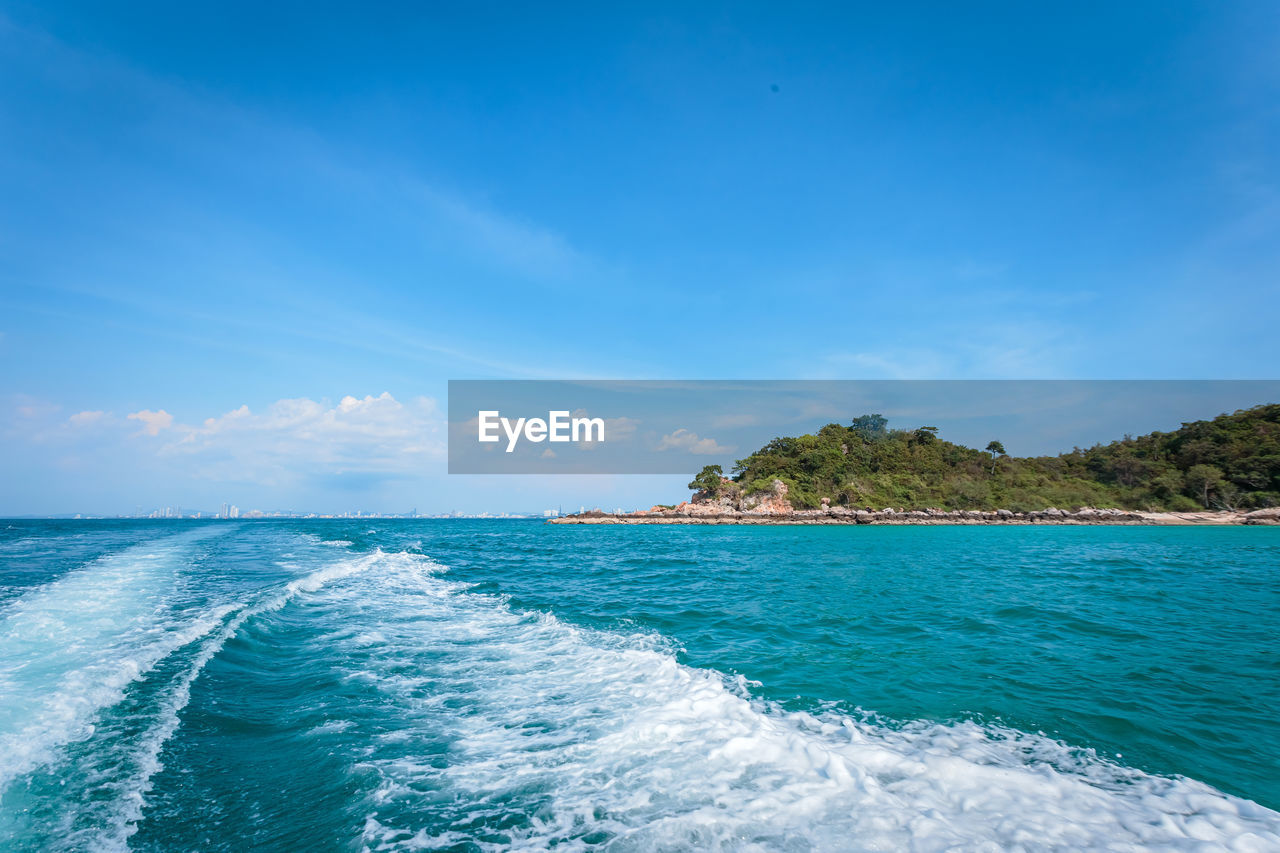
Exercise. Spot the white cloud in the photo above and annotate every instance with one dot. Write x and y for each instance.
(616, 430)
(153, 422)
(86, 418)
(689, 442)
(298, 438)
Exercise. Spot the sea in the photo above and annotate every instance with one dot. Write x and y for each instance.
(493, 685)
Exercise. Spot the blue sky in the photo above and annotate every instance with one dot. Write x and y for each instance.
(210, 207)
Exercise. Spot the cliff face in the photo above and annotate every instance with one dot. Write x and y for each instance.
(729, 498)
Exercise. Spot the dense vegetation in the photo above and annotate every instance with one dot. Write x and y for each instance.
(1230, 462)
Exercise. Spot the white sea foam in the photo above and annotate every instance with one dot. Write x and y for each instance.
(70, 648)
(317, 540)
(90, 634)
(129, 790)
(572, 738)
(604, 741)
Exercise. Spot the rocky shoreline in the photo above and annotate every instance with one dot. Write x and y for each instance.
(772, 506)
(695, 514)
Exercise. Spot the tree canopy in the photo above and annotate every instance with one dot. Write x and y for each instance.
(708, 480)
(1232, 461)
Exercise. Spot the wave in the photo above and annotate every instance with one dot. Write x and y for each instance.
(94, 634)
(70, 648)
(478, 724)
(130, 793)
(319, 540)
(582, 739)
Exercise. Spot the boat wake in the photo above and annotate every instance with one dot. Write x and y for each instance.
(464, 721)
(123, 642)
(516, 730)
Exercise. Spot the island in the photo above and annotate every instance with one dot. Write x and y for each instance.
(1220, 471)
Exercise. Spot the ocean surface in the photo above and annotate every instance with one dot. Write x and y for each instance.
(494, 685)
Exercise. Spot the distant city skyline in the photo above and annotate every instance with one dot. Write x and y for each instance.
(231, 512)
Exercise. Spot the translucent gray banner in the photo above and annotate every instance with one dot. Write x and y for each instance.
(677, 427)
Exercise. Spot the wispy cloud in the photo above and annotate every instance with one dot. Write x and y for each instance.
(425, 225)
(80, 419)
(691, 442)
(1029, 350)
(526, 247)
(731, 421)
(33, 408)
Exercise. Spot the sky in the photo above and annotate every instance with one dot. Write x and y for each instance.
(243, 248)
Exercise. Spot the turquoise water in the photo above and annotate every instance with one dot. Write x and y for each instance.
(477, 685)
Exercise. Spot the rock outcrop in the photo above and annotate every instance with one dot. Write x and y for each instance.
(1271, 515)
(772, 507)
(729, 505)
(730, 500)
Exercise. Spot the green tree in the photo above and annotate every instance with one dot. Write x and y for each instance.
(1203, 480)
(1240, 453)
(1170, 482)
(995, 448)
(708, 480)
(1127, 468)
(870, 427)
(926, 434)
